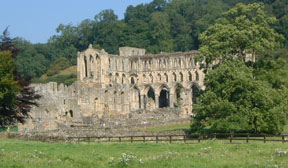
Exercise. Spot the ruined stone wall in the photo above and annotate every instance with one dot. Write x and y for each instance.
(120, 91)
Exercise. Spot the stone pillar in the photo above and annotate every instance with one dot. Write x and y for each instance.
(156, 101)
(142, 101)
(171, 100)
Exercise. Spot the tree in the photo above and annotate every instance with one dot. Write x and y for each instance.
(243, 30)
(16, 96)
(9, 88)
(234, 101)
(242, 96)
(29, 61)
(160, 33)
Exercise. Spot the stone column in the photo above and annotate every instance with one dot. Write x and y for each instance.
(171, 100)
(142, 101)
(156, 101)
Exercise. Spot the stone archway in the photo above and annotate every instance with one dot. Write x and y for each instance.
(166, 77)
(132, 80)
(190, 76)
(149, 98)
(135, 100)
(164, 98)
(195, 93)
(178, 95)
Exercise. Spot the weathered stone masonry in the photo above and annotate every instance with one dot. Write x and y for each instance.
(132, 85)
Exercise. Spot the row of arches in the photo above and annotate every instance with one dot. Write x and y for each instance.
(164, 96)
(150, 64)
(149, 97)
(160, 77)
(91, 66)
(163, 63)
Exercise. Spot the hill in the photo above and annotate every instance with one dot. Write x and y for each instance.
(66, 76)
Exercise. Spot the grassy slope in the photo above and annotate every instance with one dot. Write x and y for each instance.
(67, 71)
(15, 153)
(66, 76)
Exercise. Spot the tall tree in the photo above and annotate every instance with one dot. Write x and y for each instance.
(16, 96)
(243, 30)
(234, 101)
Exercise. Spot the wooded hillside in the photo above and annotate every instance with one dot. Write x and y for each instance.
(161, 25)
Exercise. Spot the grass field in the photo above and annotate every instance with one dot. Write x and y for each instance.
(16, 153)
(173, 127)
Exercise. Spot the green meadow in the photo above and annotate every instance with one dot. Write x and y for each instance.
(17, 153)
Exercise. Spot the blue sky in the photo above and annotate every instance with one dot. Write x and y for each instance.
(37, 20)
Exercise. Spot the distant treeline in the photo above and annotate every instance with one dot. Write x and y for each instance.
(161, 25)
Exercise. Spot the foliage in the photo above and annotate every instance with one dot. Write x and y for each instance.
(234, 101)
(16, 97)
(242, 96)
(30, 60)
(243, 30)
(9, 88)
(157, 26)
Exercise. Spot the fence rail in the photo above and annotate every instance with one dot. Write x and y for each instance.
(184, 138)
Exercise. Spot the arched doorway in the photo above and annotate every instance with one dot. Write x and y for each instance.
(178, 98)
(195, 93)
(164, 98)
(132, 80)
(71, 113)
(149, 98)
(135, 103)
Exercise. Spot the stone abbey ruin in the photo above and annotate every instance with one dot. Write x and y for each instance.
(119, 92)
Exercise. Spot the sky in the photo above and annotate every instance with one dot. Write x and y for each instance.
(37, 20)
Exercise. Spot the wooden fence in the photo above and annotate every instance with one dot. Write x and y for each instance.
(194, 138)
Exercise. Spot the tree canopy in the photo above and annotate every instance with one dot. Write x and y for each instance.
(16, 97)
(160, 25)
(242, 95)
(242, 31)
(234, 101)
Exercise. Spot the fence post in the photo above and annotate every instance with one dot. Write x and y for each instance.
(88, 139)
(170, 139)
(119, 139)
(199, 137)
(184, 138)
(156, 139)
(231, 136)
(283, 138)
(143, 138)
(131, 138)
(264, 138)
(215, 136)
(109, 139)
(247, 139)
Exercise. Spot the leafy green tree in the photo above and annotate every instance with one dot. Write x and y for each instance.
(244, 29)
(234, 101)
(30, 62)
(9, 88)
(160, 33)
(16, 97)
